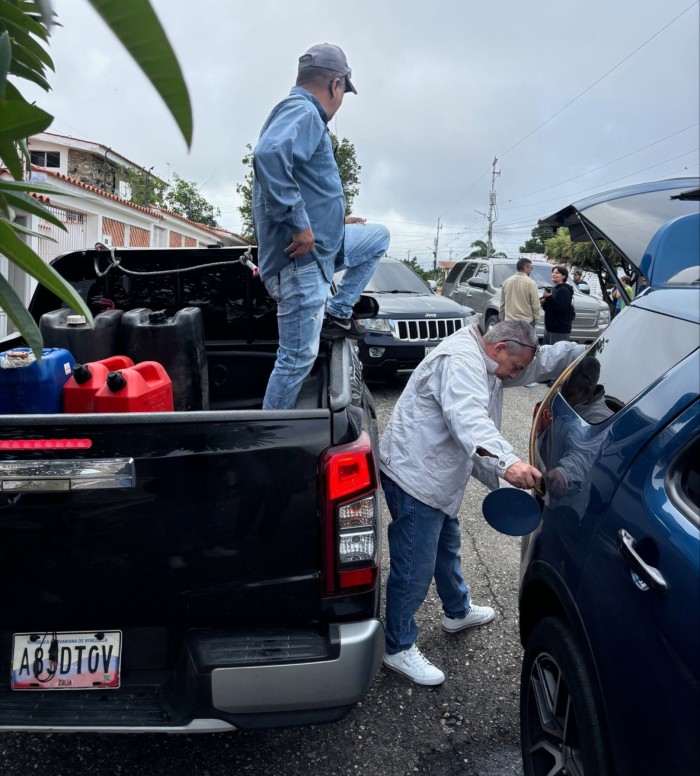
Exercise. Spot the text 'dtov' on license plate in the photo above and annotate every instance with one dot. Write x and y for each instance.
(86, 660)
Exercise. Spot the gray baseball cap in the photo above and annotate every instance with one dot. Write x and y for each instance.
(331, 58)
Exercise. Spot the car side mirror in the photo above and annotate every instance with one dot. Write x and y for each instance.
(479, 283)
(365, 307)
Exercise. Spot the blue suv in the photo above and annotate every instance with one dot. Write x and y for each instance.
(610, 580)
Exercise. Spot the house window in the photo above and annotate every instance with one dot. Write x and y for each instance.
(46, 158)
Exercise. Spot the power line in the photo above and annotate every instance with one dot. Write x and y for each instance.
(605, 75)
(600, 167)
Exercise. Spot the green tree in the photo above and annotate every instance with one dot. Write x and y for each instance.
(183, 198)
(145, 188)
(245, 192)
(24, 40)
(416, 267)
(584, 255)
(480, 250)
(348, 168)
(538, 236)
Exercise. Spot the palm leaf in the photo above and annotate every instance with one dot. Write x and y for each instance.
(19, 21)
(19, 119)
(137, 27)
(24, 257)
(11, 159)
(5, 60)
(17, 313)
(30, 205)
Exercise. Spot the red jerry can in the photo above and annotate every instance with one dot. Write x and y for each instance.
(87, 379)
(145, 387)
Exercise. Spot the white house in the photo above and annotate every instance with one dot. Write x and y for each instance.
(94, 207)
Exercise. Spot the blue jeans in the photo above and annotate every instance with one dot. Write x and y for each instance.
(300, 293)
(365, 244)
(423, 543)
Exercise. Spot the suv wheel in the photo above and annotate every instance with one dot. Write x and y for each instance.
(559, 728)
(491, 321)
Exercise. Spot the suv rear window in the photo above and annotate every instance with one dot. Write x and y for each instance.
(454, 272)
(639, 348)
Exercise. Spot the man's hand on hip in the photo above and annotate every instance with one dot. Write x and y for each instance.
(522, 475)
(302, 243)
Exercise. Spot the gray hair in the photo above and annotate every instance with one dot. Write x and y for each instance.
(516, 332)
(319, 77)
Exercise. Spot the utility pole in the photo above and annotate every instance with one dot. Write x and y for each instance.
(492, 207)
(435, 252)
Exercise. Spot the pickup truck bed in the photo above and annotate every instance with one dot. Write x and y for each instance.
(233, 551)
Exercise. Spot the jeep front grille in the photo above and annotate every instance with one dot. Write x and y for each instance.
(425, 329)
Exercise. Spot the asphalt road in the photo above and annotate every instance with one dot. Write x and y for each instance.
(467, 726)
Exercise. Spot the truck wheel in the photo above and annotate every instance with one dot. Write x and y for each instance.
(560, 731)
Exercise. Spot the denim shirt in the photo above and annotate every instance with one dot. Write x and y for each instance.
(296, 185)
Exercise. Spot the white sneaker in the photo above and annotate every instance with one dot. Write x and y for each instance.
(415, 666)
(477, 615)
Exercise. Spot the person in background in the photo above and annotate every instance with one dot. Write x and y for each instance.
(299, 219)
(579, 282)
(621, 303)
(557, 303)
(446, 425)
(520, 299)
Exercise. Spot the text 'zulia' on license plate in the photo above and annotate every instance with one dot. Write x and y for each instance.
(86, 660)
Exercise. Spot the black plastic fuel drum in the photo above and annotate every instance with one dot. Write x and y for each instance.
(176, 342)
(64, 329)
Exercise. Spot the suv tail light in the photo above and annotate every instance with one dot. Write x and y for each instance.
(348, 500)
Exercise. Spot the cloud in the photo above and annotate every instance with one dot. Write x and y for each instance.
(442, 89)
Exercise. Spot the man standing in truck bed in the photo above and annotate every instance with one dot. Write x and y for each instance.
(299, 217)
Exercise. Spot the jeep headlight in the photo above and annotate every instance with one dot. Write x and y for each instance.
(603, 316)
(471, 320)
(376, 324)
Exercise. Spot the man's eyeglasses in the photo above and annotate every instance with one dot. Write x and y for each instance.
(534, 348)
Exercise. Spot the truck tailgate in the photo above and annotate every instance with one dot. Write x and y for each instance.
(195, 520)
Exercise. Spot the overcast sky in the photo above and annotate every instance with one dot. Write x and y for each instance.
(573, 98)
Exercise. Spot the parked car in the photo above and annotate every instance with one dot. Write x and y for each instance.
(477, 283)
(610, 580)
(411, 321)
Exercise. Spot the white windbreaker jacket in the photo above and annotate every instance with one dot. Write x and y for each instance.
(452, 406)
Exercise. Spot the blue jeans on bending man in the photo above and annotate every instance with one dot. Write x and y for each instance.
(301, 292)
(424, 544)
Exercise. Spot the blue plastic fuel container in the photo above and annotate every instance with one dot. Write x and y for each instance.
(65, 329)
(29, 386)
(176, 342)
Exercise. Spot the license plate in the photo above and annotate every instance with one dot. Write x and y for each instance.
(85, 660)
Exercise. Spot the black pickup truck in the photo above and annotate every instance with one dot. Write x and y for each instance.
(192, 570)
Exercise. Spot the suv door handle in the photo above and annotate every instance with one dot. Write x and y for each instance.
(648, 574)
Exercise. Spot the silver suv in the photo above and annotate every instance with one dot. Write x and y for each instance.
(477, 283)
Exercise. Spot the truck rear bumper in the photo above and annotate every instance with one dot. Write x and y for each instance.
(301, 686)
(224, 681)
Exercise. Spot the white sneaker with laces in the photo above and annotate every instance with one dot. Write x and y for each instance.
(477, 615)
(415, 666)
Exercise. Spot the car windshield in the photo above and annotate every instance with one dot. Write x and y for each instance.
(393, 277)
(541, 274)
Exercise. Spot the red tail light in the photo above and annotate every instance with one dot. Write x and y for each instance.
(348, 501)
(45, 444)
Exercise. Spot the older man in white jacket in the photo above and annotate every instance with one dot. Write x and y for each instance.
(445, 425)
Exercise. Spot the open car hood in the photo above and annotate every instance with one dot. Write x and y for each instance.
(630, 217)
